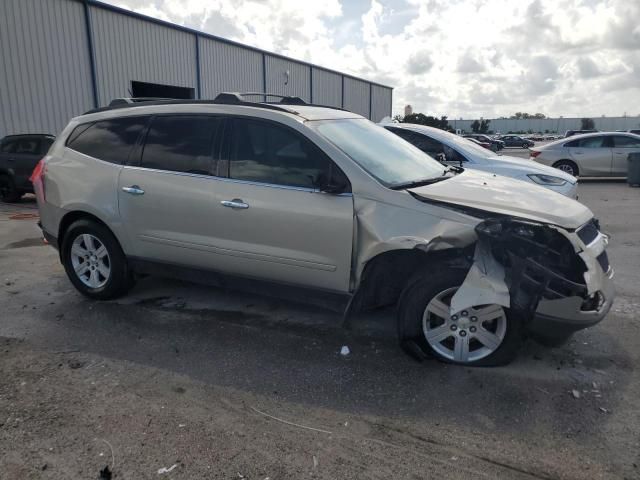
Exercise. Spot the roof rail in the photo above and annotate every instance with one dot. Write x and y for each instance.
(128, 101)
(236, 98)
(225, 98)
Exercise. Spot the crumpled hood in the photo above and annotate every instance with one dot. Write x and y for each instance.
(528, 166)
(495, 193)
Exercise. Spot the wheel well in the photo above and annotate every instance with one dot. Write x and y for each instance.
(386, 275)
(71, 217)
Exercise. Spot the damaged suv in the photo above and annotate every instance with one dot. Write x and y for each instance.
(315, 197)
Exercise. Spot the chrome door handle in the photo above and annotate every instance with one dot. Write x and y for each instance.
(133, 190)
(235, 203)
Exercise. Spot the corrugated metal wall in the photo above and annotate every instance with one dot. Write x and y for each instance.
(327, 88)
(46, 71)
(380, 103)
(296, 82)
(127, 48)
(45, 77)
(227, 68)
(356, 96)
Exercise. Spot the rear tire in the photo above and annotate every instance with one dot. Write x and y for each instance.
(504, 333)
(94, 261)
(8, 191)
(567, 166)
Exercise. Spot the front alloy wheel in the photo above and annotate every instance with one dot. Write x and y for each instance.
(467, 336)
(482, 335)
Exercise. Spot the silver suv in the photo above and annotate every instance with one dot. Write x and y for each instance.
(315, 197)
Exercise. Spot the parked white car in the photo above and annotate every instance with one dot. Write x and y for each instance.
(455, 150)
(601, 154)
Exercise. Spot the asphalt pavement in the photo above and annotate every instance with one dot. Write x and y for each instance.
(223, 384)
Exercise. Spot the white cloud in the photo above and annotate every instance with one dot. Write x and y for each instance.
(463, 58)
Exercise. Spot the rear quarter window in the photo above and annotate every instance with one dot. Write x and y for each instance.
(108, 140)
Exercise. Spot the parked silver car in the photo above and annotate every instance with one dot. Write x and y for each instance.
(602, 154)
(456, 150)
(323, 201)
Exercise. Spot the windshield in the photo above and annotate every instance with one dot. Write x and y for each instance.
(384, 155)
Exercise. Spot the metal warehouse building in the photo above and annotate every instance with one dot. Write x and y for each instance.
(61, 58)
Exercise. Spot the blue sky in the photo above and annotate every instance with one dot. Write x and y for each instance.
(461, 58)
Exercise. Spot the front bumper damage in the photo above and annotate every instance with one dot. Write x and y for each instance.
(559, 280)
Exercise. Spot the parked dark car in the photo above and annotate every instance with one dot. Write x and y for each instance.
(635, 131)
(516, 141)
(19, 154)
(571, 133)
(496, 145)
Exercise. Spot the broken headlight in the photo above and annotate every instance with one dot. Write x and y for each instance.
(542, 179)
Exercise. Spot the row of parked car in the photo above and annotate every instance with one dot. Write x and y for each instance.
(476, 250)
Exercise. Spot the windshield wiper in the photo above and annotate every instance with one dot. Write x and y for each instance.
(419, 183)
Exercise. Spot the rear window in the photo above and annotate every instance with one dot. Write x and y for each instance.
(108, 140)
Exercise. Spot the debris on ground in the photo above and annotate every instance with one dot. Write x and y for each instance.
(105, 473)
(167, 470)
(344, 351)
(575, 393)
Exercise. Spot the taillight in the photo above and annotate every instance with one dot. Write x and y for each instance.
(534, 154)
(37, 178)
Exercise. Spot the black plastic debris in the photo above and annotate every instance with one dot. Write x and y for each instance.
(105, 474)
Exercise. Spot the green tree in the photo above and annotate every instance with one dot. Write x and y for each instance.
(475, 126)
(484, 126)
(587, 124)
(398, 118)
(421, 119)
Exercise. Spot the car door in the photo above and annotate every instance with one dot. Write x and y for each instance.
(623, 145)
(592, 155)
(166, 192)
(277, 224)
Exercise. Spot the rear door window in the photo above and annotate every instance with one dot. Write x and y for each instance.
(181, 143)
(108, 140)
(593, 142)
(268, 153)
(622, 141)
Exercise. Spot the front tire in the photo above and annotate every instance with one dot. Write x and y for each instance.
(94, 261)
(484, 335)
(8, 191)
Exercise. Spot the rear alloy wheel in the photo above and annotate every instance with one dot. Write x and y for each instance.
(567, 166)
(482, 335)
(8, 191)
(94, 261)
(90, 260)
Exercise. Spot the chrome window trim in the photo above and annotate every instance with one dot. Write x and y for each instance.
(234, 180)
